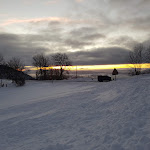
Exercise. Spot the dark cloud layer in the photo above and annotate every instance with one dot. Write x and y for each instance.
(110, 55)
(124, 41)
(12, 45)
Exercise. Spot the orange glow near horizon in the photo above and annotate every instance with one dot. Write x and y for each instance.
(91, 67)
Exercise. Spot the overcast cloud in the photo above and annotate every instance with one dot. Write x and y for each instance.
(90, 32)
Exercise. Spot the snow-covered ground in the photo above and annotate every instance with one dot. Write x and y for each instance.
(76, 115)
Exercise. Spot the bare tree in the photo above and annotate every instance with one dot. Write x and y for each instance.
(16, 63)
(136, 58)
(147, 55)
(40, 61)
(61, 59)
(1, 63)
(1, 59)
(15, 74)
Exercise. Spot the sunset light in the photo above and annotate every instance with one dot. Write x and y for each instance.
(91, 67)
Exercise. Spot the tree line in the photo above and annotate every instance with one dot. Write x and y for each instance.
(42, 62)
(139, 55)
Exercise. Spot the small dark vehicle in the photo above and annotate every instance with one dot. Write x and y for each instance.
(104, 78)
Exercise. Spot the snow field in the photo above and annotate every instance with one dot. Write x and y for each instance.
(72, 115)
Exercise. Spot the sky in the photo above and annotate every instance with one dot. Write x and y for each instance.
(90, 32)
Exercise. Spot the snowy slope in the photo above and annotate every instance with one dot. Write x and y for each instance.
(76, 115)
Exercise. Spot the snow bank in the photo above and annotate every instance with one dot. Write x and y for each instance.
(76, 115)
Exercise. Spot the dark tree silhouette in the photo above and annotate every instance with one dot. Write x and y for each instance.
(40, 61)
(136, 58)
(147, 55)
(16, 76)
(61, 59)
(16, 63)
(1, 59)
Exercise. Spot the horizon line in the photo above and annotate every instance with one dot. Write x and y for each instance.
(92, 67)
